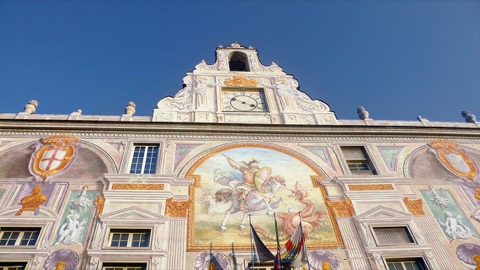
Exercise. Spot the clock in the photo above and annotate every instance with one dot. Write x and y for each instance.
(243, 100)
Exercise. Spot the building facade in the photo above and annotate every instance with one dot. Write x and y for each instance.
(238, 143)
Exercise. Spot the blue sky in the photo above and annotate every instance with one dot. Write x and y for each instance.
(398, 59)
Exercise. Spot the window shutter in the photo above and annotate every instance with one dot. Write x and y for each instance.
(353, 153)
(393, 236)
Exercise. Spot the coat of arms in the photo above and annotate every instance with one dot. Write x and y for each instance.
(454, 159)
(53, 155)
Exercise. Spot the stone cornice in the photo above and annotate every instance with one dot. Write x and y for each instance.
(17, 127)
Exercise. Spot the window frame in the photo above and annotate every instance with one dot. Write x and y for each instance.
(367, 161)
(124, 265)
(5, 264)
(407, 230)
(420, 259)
(19, 238)
(130, 232)
(144, 158)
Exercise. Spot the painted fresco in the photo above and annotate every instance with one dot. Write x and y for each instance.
(449, 161)
(389, 155)
(239, 182)
(321, 152)
(75, 217)
(448, 215)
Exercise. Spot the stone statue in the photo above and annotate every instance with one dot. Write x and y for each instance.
(32, 201)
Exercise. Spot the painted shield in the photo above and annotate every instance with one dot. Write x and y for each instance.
(55, 155)
(262, 177)
(454, 159)
(458, 162)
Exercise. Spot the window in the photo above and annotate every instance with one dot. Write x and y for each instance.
(358, 161)
(129, 238)
(13, 265)
(124, 266)
(19, 236)
(406, 264)
(238, 62)
(144, 160)
(393, 236)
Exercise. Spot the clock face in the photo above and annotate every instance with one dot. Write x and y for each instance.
(243, 101)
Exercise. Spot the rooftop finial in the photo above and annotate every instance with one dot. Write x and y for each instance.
(31, 106)
(362, 113)
(469, 117)
(130, 108)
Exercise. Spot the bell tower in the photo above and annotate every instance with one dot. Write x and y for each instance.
(237, 88)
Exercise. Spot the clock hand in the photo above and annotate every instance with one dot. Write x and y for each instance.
(243, 102)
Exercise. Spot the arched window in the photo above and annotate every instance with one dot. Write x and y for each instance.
(238, 62)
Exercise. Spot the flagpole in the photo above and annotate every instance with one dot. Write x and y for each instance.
(305, 242)
(234, 258)
(251, 241)
(278, 260)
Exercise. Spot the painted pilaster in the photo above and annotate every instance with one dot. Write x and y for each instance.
(356, 255)
(440, 253)
(177, 246)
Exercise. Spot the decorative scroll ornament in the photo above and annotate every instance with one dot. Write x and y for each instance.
(177, 208)
(138, 186)
(454, 159)
(53, 155)
(371, 187)
(241, 81)
(341, 208)
(414, 206)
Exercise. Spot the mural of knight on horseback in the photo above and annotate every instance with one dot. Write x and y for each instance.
(256, 182)
(253, 191)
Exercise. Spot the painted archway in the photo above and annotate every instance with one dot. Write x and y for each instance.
(257, 179)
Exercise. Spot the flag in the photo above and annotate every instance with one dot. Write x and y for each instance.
(294, 253)
(263, 253)
(213, 263)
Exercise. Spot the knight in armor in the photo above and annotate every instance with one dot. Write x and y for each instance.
(248, 169)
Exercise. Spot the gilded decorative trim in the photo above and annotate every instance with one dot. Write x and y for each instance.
(138, 186)
(414, 206)
(370, 187)
(341, 208)
(241, 81)
(177, 208)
